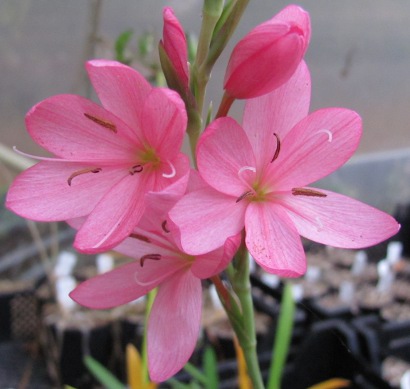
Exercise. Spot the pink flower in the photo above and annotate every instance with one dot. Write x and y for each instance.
(107, 158)
(175, 319)
(258, 176)
(175, 46)
(268, 55)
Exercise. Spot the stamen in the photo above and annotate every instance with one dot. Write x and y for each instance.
(329, 134)
(242, 196)
(173, 171)
(307, 192)
(140, 237)
(164, 226)
(102, 122)
(154, 257)
(244, 168)
(83, 171)
(276, 155)
(135, 169)
(38, 158)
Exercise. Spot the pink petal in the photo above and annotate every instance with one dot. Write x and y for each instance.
(315, 147)
(108, 290)
(273, 241)
(297, 15)
(121, 90)
(175, 45)
(170, 171)
(174, 325)
(155, 272)
(210, 264)
(206, 219)
(276, 113)
(267, 56)
(222, 152)
(160, 203)
(339, 221)
(115, 216)
(164, 122)
(43, 193)
(60, 124)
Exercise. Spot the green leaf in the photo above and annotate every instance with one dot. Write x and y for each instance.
(210, 369)
(103, 375)
(282, 338)
(196, 373)
(175, 384)
(121, 44)
(145, 44)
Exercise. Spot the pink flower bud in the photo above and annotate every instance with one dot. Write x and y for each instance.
(175, 45)
(268, 55)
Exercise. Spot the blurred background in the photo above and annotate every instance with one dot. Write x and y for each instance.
(359, 55)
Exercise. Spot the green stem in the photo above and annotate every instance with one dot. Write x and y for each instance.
(194, 130)
(150, 300)
(247, 337)
(224, 30)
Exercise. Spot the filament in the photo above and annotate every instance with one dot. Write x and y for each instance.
(329, 134)
(173, 171)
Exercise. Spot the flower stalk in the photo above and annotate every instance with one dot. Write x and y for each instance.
(247, 337)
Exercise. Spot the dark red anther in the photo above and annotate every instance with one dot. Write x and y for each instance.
(154, 257)
(277, 151)
(102, 122)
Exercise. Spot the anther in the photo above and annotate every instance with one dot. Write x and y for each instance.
(154, 257)
(164, 226)
(139, 237)
(242, 196)
(276, 155)
(136, 169)
(102, 122)
(307, 192)
(83, 171)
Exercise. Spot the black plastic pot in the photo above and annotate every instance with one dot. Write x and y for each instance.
(331, 351)
(18, 315)
(381, 339)
(66, 345)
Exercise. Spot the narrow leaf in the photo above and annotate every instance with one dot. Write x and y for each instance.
(282, 338)
(196, 373)
(103, 375)
(210, 369)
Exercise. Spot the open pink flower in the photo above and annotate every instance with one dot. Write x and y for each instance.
(174, 322)
(268, 55)
(175, 45)
(257, 176)
(107, 158)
